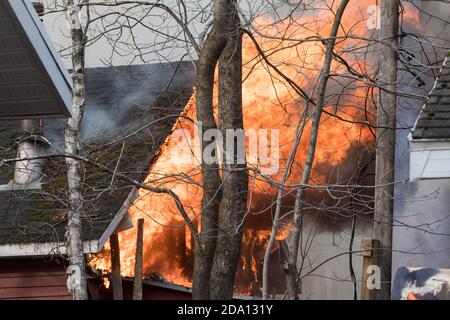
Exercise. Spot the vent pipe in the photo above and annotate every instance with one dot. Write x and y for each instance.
(32, 126)
(29, 171)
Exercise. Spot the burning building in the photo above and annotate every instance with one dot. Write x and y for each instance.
(268, 104)
(132, 125)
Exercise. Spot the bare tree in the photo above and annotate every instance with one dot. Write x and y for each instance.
(209, 56)
(76, 271)
(292, 274)
(234, 171)
(217, 256)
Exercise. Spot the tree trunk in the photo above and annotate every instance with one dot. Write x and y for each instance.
(385, 149)
(209, 56)
(234, 171)
(116, 278)
(292, 272)
(137, 283)
(76, 280)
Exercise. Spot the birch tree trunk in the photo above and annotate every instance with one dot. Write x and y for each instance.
(385, 148)
(234, 171)
(76, 281)
(292, 272)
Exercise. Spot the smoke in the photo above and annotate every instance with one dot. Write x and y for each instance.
(122, 99)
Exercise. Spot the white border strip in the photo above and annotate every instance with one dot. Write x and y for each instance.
(43, 249)
(121, 215)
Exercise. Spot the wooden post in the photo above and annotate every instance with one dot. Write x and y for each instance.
(385, 148)
(116, 278)
(369, 251)
(137, 284)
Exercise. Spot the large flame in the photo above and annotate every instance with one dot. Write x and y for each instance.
(268, 103)
(411, 296)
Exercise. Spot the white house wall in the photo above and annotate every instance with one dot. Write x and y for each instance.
(429, 160)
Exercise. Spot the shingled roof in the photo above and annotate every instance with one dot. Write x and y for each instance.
(33, 80)
(434, 119)
(120, 100)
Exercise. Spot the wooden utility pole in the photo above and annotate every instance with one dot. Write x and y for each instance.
(137, 284)
(385, 150)
(116, 278)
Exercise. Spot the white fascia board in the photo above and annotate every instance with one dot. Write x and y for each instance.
(43, 249)
(426, 145)
(12, 186)
(121, 220)
(38, 37)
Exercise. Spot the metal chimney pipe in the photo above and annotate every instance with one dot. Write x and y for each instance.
(32, 126)
(30, 170)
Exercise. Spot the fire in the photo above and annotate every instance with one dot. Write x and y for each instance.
(411, 296)
(268, 103)
(283, 232)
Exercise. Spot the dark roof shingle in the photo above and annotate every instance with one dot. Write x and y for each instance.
(119, 101)
(434, 119)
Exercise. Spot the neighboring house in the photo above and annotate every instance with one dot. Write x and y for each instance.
(35, 101)
(429, 141)
(120, 101)
(422, 204)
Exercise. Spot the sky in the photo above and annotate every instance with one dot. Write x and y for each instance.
(152, 38)
(151, 35)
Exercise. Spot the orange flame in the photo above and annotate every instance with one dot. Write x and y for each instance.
(411, 296)
(268, 103)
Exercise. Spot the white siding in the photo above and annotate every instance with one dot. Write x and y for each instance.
(429, 160)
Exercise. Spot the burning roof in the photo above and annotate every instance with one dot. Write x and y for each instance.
(120, 100)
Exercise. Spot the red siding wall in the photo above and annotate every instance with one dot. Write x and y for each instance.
(32, 279)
